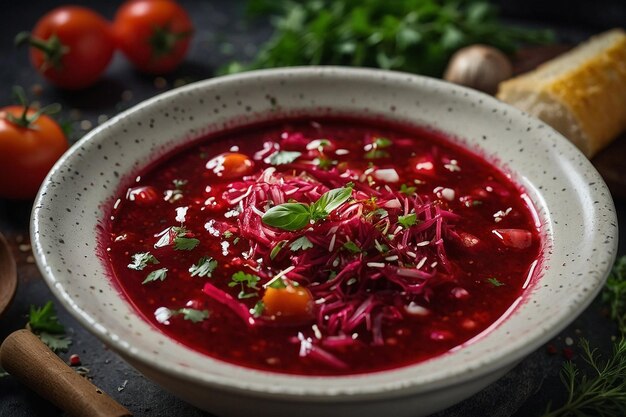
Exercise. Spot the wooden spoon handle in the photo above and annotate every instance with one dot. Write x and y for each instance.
(25, 357)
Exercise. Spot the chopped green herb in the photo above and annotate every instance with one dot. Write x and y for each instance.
(185, 243)
(382, 248)
(44, 323)
(476, 203)
(417, 36)
(408, 220)
(408, 190)
(351, 247)
(495, 282)
(377, 154)
(179, 184)
(158, 275)
(277, 248)
(56, 342)
(301, 243)
(278, 284)
(44, 319)
(325, 163)
(236, 240)
(141, 260)
(245, 281)
(257, 310)
(614, 293)
(381, 143)
(227, 234)
(193, 315)
(204, 267)
(283, 157)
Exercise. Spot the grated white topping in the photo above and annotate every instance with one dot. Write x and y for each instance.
(209, 226)
(279, 276)
(181, 212)
(376, 264)
(421, 263)
(342, 152)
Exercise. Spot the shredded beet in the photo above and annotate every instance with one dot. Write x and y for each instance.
(362, 286)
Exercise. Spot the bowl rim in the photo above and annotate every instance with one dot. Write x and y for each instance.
(288, 389)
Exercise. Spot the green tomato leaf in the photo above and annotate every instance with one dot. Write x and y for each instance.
(288, 216)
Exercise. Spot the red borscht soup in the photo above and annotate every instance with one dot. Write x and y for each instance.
(323, 246)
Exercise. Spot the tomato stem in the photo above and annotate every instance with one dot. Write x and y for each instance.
(52, 48)
(25, 120)
(163, 40)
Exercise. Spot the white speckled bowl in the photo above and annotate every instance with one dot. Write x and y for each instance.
(573, 203)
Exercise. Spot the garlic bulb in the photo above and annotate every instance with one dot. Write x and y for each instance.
(479, 66)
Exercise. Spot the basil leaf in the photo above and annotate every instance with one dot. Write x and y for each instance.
(288, 216)
(330, 200)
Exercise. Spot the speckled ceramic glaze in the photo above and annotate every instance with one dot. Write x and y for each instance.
(573, 204)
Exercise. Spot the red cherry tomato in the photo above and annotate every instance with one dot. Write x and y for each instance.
(70, 46)
(230, 165)
(28, 149)
(153, 34)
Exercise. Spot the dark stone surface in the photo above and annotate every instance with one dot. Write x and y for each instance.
(525, 391)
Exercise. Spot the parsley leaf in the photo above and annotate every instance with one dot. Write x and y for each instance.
(158, 275)
(55, 342)
(193, 315)
(185, 243)
(408, 220)
(377, 154)
(44, 323)
(301, 243)
(44, 319)
(283, 157)
(495, 282)
(245, 281)
(141, 260)
(204, 267)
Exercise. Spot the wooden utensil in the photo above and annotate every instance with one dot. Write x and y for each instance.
(8, 275)
(25, 357)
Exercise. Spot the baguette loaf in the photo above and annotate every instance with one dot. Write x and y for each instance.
(581, 93)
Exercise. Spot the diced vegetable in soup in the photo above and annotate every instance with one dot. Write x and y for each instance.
(323, 247)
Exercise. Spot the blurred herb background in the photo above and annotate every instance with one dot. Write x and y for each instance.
(416, 36)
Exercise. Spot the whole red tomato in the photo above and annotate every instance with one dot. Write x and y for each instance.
(29, 147)
(153, 34)
(71, 46)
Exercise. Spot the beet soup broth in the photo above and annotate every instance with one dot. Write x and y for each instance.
(324, 247)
